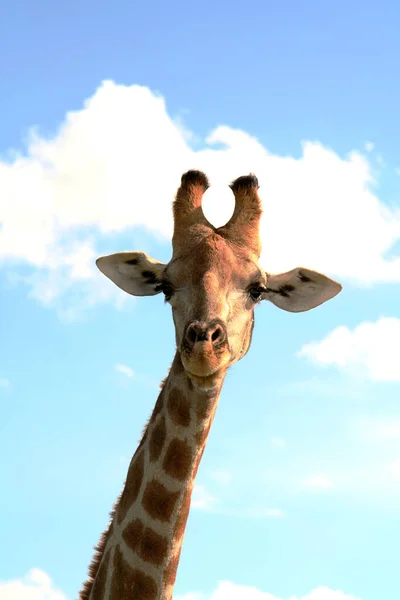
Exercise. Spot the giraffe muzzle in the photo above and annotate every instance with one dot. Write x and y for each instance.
(204, 348)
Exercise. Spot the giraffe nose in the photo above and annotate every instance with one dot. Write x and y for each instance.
(198, 331)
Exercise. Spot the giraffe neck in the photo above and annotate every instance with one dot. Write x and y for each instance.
(140, 551)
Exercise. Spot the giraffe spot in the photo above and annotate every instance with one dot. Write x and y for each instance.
(159, 502)
(131, 583)
(132, 486)
(158, 406)
(149, 276)
(97, 592)
(133, 534)
(178, 459)
(304, 278)
(144, 436)
(148, 545)
(204, 408)
(157, 440)
(285, 289)
(179, 408)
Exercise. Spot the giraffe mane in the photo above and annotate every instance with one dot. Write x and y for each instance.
(97, 556)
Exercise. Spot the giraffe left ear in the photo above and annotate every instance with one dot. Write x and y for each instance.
(300, 289)
(134, 272)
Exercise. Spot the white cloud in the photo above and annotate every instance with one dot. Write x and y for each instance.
(125, 370)
(227, 590)
(371, 349)
(36, 585)
(324, 593)
(202, 499)
(116, 164)
(369, 146)
(4, 382)
(318, 481)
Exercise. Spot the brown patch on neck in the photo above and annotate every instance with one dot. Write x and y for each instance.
(157, 439)
(134, 584)
(205, 408)
(149, 545)
(158, 501)
(178, 459)
(178, 407)
(132, 485)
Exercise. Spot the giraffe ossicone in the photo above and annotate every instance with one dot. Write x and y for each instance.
(213, 283)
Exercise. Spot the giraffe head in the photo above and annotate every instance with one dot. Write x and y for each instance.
(214, 280)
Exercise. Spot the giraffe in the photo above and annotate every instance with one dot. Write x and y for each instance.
(213, 283)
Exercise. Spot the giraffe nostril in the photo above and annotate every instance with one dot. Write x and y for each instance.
(201, 332)
(191, 334)
(218, 336)
(196, 332)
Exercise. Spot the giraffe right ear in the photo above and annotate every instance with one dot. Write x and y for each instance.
(134, 272)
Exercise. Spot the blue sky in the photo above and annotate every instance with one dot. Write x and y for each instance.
(102, 109)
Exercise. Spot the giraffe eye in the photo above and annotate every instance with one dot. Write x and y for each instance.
(255, 292)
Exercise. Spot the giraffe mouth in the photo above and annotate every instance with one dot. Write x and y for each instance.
(204, 361)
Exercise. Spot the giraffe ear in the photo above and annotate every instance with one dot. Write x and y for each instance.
(300, 289)
(134, 272)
